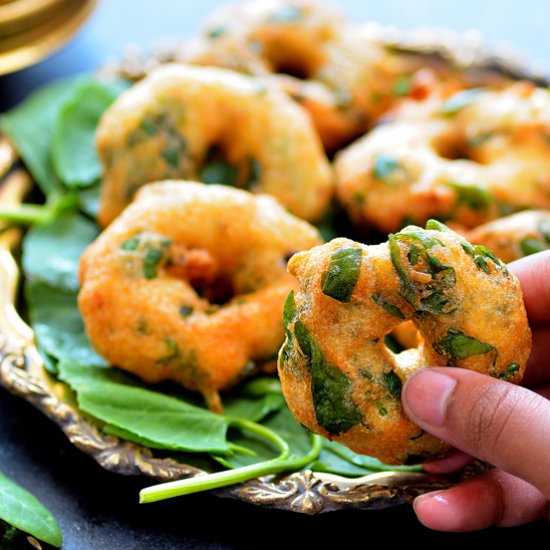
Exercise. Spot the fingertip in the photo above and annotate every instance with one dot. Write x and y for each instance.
(493, 498)
(532, 272)
(425, 396)
(454, 461)
(434, 511)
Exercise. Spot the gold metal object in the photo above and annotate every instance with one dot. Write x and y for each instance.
(30, 30)
(22, 372)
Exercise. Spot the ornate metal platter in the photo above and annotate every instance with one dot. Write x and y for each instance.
(22, 372)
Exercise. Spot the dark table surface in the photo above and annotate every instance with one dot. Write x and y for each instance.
(99, 510)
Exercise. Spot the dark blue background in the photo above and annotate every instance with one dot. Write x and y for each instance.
(99, 510)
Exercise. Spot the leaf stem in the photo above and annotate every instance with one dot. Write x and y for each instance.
(241, 449)
(27, 214)
(229, 477)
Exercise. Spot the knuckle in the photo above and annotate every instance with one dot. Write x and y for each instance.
(489, 417)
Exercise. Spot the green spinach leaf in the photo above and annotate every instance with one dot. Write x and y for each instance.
(73, 148)
(31, 127)
(24, 511)
(165, 421)
(51, 253)
(342, 274)
(337, 459)
(457, 345)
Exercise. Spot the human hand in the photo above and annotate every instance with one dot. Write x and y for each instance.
(503, 424)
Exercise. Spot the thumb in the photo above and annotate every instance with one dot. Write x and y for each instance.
(500, 423)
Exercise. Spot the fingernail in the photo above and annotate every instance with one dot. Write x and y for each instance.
(426, 395)
(437, 498)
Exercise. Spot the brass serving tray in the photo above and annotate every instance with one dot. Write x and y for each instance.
(31, 30)
(22, 372)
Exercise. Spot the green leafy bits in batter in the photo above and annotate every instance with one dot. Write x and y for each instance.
(172, 157)
(390, 308)
(480, 255)
(402, 86)
(359, 198)
(131, 244)
(392, 383)
(289, 310)
(458, 101)
(216, 32)
(300, 331)
(254, 173)
(148, 126)
(472, 196)
(342, 274)
(289, 313)
(509, 371)
(457, 346)
(142, 326)
(381, 408)
(531, 246)
(331, 391)
(432, 296)
(151, 248)
(173, 352)
(151, 262)
(435, 225)
(386, 167)
(186, 311)
(479, 140)
(219, 171)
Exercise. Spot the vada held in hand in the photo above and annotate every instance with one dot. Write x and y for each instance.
(495, 421)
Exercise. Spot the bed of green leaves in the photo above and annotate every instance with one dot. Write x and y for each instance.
(54, 131)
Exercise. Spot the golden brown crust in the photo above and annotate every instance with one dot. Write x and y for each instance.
(466, 159)
(513, 237)
(308, 49)
(182, 119)
(151, 282)
(338, 376)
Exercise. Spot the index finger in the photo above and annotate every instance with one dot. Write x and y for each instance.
(533, 273)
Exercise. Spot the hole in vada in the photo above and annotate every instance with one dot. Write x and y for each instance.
(202, 271)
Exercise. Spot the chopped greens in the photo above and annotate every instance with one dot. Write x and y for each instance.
(509, 372)
(216, 32)
(481, 254)
(390, 308)
(460, 100)
(151, 248)
(186, 311)
(342, 274)
(254, 173)
(435, 295)
(457, 345)
(219, 171)
(386, 167)
(472, 196)
(331, 389)
(392, 383)
(402, 86)
(531, 246)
